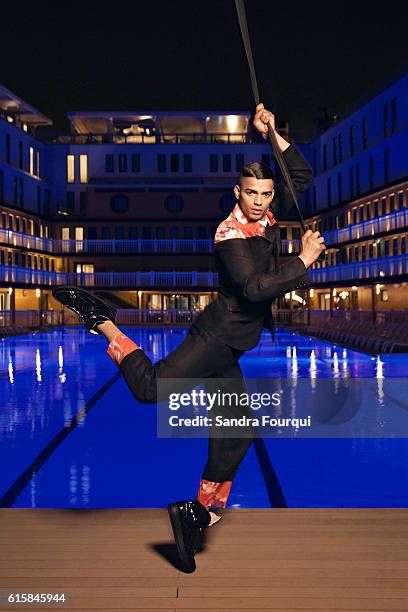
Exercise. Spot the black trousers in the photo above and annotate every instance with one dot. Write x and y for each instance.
(200, 355)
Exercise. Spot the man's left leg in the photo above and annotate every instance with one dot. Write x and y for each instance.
(227, 446)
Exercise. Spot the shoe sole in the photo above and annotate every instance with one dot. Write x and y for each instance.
(189, 565)
(85, 293)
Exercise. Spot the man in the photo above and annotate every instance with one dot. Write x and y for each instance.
(246, 248)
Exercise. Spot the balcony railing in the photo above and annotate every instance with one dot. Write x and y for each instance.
(29, 318)
(373, 269)
(370, 228)
(154, 246)
(158, 138)
(395, 265)
(135, 280)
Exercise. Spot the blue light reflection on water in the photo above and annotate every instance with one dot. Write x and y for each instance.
(114, 459)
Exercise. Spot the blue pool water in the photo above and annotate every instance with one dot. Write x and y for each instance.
(111, 456)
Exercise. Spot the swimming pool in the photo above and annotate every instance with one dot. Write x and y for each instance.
(110, 456)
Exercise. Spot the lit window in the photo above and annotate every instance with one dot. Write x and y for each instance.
(65, 233)
(70, 168)
(83, 168)
(38, 163)
(31, 160)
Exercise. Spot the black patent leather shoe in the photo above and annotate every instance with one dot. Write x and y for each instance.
(188, 520)
(91, 309)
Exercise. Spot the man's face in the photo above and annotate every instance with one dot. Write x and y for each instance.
(254, 196)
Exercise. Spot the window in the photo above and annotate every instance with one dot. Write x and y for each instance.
(351, 135)
(119, 233)
(174, 232)
(226, 162)
(334, 151)
(400, 199)
(395, 246)
(283, 233)
(109, 163)
(135, 162)
(65, 233)
(17, 224)
(84, 268)
(92, 233)
(106, 233)
(174, 162)
(70, 168)
(161, 163)
(239, 162)
(20, 155)
(340, 145)
(385, 120)
(82, 201)
(160, 233)
(386, 166)
(295, 233)
(226, 203)
(386, 248)
(324, 157)
(133, 233)
(202, 232)
(174, 203)
(122, 162)
(364, 129)
(146, 233)
(187, 162)
(79, 233)
(393, 115)
(392, 203)
(119, 203)
(70, 201)
(329, 192)
(188, 232)
(83, 169)
(213, 162)
(37, 166)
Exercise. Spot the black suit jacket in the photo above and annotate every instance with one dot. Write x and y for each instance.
(250, 276)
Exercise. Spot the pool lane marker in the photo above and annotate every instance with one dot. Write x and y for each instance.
(10, 496)
(272, 484)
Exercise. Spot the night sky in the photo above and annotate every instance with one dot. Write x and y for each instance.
(178, 55)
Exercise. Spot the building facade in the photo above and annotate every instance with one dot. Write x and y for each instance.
(128, 203)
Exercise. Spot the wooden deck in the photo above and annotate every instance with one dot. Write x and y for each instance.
(279, 559)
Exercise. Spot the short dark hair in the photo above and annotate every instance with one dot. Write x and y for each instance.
(257, 170)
